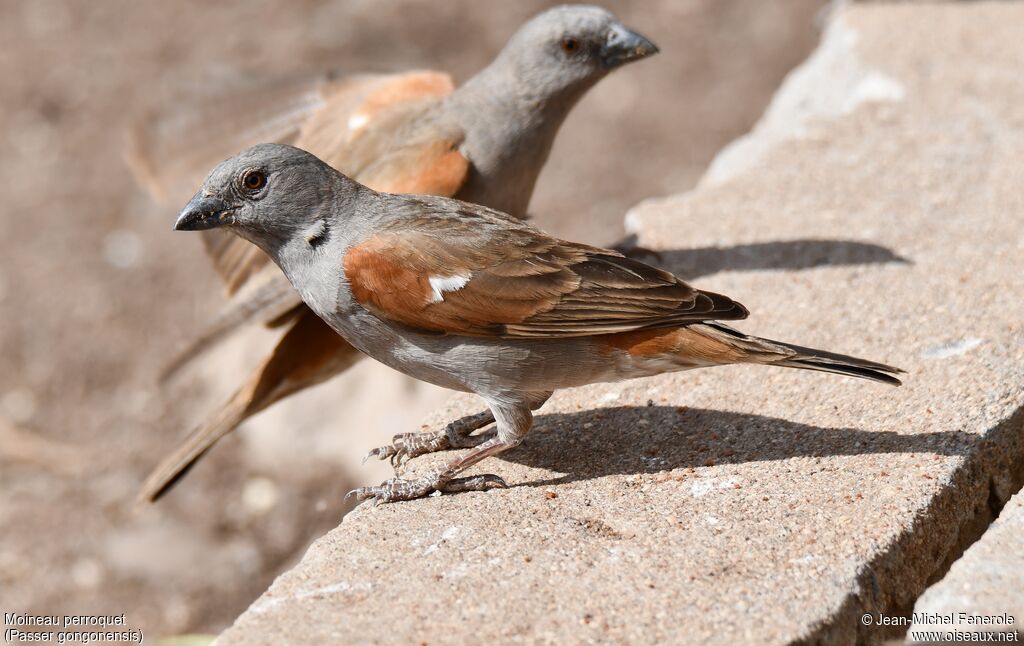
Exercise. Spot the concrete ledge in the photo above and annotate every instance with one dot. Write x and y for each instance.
(746, 504)
(984, 590)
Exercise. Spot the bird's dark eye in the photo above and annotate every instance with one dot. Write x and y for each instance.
(254, 179)
(570, 45)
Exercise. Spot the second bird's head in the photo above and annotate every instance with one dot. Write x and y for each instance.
(568, 48)
(270, 194)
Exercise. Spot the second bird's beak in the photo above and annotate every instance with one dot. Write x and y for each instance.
(625, 45)
(203, 213)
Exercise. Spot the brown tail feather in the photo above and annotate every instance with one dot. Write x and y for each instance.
(172, 468)
(308, 354)
(850, 368)
(777, 353)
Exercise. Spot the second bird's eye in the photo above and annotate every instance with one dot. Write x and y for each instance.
(570, 45)
(254, 179)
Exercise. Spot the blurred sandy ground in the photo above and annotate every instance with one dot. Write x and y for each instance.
(95, 290)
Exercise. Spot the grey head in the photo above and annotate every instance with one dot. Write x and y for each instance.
(512, 109)
(568, 48)
(271, 195)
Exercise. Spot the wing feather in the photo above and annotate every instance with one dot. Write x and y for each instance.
(518, 283)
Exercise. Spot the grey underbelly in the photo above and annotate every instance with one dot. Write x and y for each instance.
(480, 365)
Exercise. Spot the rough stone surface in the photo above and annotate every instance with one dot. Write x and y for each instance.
(987, 582)
(746, 504)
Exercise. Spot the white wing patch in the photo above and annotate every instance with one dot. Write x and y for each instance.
(442, 284)
(357, 121)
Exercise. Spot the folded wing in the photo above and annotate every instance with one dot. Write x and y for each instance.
(512, 281)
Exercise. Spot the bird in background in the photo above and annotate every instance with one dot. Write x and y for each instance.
(483, 142)
(475, 300)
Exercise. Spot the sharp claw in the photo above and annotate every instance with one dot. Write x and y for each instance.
(476, 483)
(376, 494)
(381, 453)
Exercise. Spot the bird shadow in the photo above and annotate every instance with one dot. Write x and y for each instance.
(634, 440)
(689, 264)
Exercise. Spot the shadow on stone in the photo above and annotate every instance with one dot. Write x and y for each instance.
(633, 440)
(690, 264)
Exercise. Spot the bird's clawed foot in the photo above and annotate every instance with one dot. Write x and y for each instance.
(407, 446)
(456, 435)
(398, 489)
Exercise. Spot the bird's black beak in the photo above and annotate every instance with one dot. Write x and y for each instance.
(625, 45)
(203, 213)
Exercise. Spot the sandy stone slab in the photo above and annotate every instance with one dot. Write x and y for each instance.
(984, 590)
(877, 210)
